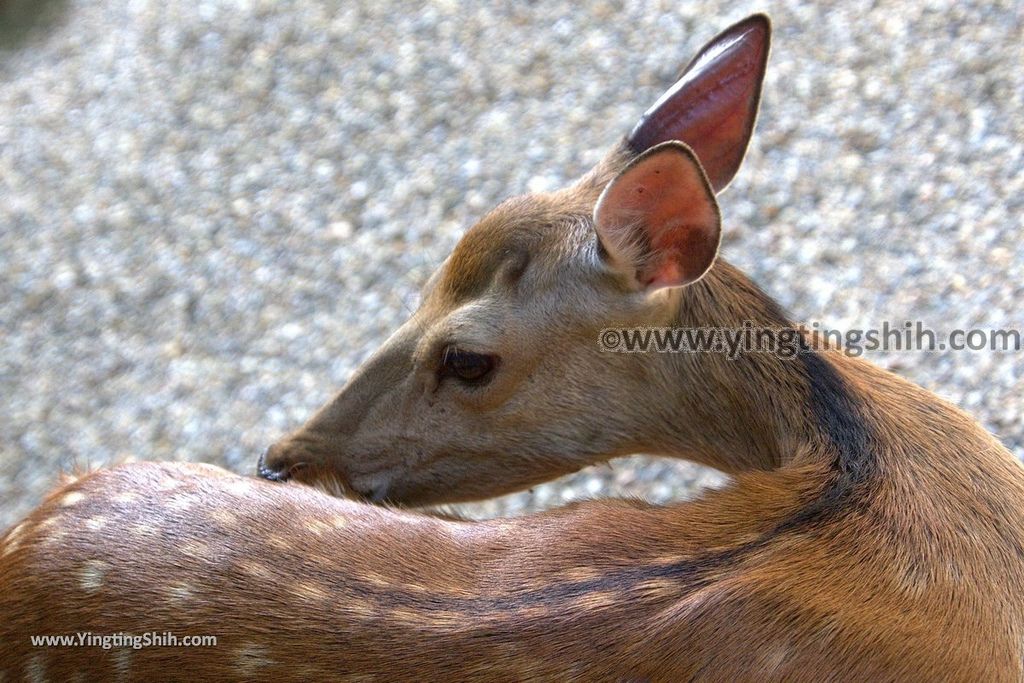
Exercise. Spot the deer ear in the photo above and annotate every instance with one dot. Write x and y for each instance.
(658, 220)
(713, 105)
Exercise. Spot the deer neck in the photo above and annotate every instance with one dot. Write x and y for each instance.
(756, 410)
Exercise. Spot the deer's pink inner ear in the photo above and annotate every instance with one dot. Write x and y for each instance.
(713, 105)
(658, 218)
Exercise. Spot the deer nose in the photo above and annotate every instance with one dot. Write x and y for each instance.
(276, 464)
(304, 458)
(268, 473)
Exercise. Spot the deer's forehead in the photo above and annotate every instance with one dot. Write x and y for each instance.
(532, 231)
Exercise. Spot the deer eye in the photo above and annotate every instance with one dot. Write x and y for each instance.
(472, 368)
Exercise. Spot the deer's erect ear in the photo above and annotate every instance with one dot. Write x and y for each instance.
(713, 105)
(658, 220)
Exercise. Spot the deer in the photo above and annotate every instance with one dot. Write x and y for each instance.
(869, 529)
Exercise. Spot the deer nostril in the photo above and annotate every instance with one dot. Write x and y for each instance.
(269, 473)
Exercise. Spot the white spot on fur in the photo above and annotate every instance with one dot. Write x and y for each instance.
(182, 502)
(17, 531)
(657, 587)
(702, 599)
(339, 522)
(318, 526)
(358, 608)
(48, 537)
(196, 549)
(208, 470)
(125, 497)
(180, 591)
(596, 600)
(408, 616)
(123, 664)
(90, 578)
(238, 486)
(69, 478)
(13, 539)
(250, 659)
(773, 659)
(145, 529)
(574, 574)
(167, 484)
(254, 569)
(35, 669)
(375, 579)
(73, 498)
(279, 542)
(95, 523)
(309, 591)
(224, 516)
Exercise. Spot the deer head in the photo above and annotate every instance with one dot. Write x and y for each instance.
(498, 381)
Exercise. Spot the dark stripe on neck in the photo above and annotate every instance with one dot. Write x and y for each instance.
(840, 421)
(839, 416)
(835, 410)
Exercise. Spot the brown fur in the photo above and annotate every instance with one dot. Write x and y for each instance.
(871, 531)
(917, 576)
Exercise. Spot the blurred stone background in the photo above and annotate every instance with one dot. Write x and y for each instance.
(210, 212)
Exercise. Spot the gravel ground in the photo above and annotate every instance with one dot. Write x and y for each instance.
(212, 211)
